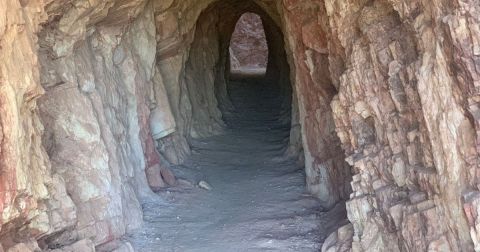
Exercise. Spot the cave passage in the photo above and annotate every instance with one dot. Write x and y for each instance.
(258, 100)
(257, 198)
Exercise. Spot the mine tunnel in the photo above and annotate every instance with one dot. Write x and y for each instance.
(243, 135)
(239, 125)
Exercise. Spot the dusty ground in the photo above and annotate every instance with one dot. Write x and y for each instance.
(241, 73)
(258, 201)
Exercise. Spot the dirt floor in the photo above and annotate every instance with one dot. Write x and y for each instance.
(258, 200)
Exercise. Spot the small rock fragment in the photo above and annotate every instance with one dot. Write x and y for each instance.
(204, 185)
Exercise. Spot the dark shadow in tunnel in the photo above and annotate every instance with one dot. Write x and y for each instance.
(261, 97)
(270, 91)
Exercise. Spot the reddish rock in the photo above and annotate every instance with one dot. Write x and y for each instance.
(168, 176)
(154, 177)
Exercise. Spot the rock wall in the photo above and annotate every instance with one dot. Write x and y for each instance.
(26, 183)
(406, 114)
(200, 75)
(99, 76)
(95, 112)
(306, 28)
(193, 50)
(79, 169)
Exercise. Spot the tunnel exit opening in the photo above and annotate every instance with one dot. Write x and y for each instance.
(248, 49)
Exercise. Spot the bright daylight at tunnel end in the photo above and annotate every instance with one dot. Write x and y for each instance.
(239, 125)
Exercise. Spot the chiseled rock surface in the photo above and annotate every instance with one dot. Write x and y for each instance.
(77, 171)
(26, 246)
(339, 241)
(85, 245)
(327, 172)
(96, 115)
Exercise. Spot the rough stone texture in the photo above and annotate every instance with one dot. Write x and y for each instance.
(116, 246)
(83, 178)
(192, 59)
(89, 61)
(28, 191)
(102, 149)
(248, 46)
(369, 72)
(154, 177)
(406, 117)
(391, 86)
(339, 241)
(85, 245)
(27, 246)
(200, 74)
(306, 29)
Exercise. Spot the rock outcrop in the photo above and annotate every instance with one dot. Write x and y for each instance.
(382, 95)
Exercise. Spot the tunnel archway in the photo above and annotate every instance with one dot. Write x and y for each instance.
(202, 101)
(210, 53)
(244, 126)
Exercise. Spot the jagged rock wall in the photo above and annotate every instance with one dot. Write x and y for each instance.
(100, 76)
(407, 116)
(200, 75)
(95, 112)
(80, 167)
(193, 49)
(306, 28)
(26, 184)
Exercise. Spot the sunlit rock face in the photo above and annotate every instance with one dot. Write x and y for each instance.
(384, 90)
(248, 46)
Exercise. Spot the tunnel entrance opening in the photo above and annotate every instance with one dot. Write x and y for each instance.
(228, 40)
(239, 126)
(257, 76)
(248, 49)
